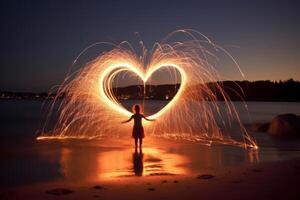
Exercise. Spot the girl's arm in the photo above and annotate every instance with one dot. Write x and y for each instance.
(148, 119)
(128, 120)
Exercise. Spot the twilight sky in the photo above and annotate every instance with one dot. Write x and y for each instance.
(40, 39)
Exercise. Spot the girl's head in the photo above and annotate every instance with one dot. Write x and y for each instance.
(136, 108)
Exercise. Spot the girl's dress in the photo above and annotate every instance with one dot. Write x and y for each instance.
(138, 130)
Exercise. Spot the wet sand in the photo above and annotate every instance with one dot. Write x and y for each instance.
(278, 180)
(164, 170)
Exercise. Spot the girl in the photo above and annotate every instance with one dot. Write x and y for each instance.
(138, 130)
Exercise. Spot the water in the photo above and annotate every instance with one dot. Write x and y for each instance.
(25, 160)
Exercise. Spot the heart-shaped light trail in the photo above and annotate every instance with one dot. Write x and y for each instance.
(89, 108)
(106, 78)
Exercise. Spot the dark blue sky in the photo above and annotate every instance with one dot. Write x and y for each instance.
(40, 39)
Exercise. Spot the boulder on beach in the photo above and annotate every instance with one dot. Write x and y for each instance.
(260, 127)
(285, 125)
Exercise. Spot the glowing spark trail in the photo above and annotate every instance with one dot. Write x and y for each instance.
(90, 108)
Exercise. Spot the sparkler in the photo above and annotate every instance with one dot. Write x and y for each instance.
(90, 108)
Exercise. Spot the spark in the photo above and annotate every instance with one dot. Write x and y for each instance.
(91, 110)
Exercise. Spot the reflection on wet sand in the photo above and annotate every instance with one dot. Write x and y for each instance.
(149, 162)
(138, 163)
(78, 166)
(159, 158)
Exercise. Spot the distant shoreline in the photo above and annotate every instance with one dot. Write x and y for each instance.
(266, 91)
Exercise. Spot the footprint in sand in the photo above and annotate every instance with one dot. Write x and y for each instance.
(99, 187)
(59, 191)
(237, 181)
(257, 170)
(205, 176)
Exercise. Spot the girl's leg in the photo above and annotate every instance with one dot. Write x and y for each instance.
(136, 142)
(141, 142)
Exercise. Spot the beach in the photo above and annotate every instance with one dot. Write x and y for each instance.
(109, 168)
(273, 180)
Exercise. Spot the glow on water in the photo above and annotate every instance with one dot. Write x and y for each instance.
(110, 160)
(115, 164)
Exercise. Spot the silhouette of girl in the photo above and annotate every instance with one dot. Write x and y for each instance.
(138, 130)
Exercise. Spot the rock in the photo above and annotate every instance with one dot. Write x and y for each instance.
(59, 191)
(285, 125)
(257, 170)
(98, 187)
(205, 176)
(260, 127)
(237, 181)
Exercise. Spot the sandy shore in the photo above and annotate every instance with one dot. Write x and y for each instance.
(273, 180)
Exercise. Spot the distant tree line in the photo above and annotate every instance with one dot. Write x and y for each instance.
(158, 92)
(288, 90)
